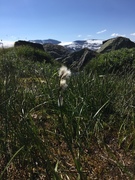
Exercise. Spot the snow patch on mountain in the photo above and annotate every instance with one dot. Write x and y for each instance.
(46, 41)
(65, 43)
(93, 44)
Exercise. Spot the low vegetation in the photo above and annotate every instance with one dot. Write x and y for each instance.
(117, 61)
(91, 136)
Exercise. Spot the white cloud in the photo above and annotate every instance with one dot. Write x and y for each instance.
(79, 36)
(99, 32)
(132, 34)
(6, 44)
(116, 34)
(65, 43)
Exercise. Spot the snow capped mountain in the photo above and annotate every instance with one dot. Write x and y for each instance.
(93, 44)
(46, 41)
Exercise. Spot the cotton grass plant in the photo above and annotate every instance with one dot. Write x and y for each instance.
(64, 74)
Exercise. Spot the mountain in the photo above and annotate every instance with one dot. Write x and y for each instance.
(116, 43)
(56, 51)
(92, 44)
(47, 41)
(78, 59)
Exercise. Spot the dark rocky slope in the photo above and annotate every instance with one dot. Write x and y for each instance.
(27, 43)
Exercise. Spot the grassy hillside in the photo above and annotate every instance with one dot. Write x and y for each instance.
(117, 61)
(92, 136)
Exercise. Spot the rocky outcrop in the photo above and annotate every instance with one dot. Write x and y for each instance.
(27, 43)
(77, 60)
(56, 51)
(115, 44)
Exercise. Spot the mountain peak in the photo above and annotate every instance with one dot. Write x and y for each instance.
(116, 43)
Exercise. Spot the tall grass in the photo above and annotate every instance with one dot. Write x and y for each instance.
(83, 139)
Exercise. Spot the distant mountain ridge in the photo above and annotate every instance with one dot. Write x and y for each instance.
(46, 41)
(92, 44)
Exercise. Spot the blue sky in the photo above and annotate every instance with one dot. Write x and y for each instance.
(66, 20)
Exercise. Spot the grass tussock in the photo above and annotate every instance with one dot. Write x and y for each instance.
(91, 136)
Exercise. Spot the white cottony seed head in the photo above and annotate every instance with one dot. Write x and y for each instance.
(64, 73)
(63, 84)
